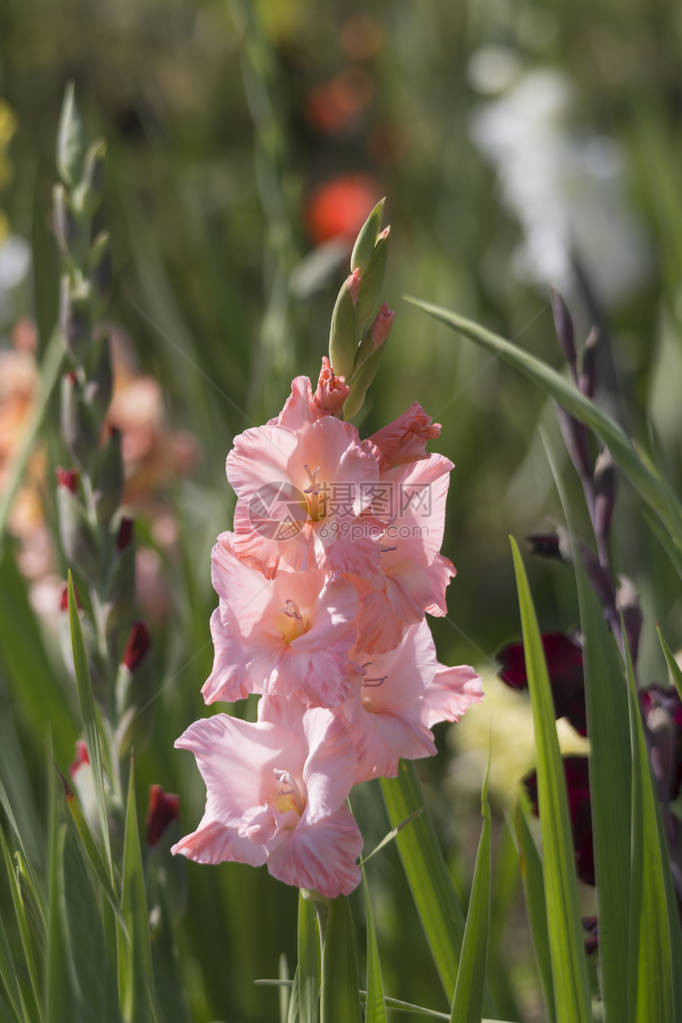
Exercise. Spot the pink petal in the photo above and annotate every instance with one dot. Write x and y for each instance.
(449, 694)
(213, 842)
(321, 856)
(404, 440)
(330, 766)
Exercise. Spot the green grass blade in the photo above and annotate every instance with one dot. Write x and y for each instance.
(375, 1011)
(656, 948)
(569, 969)
(536, 907)
(91, 725)
(59, 1001)
(468, 1001)
(340, 992)
(8, 973)
(23, 925)
(673, 666)
(427, 874)
(654, 491)
(304, 1004)
(136, 982)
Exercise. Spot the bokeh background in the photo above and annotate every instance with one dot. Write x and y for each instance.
(519, 145)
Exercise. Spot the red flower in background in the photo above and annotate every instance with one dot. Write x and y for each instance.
(339, 208)
(164, 808)
(565, 666)
(576, 771)
(333, 106)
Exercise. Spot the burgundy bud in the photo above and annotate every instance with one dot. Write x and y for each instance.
(588, 364)
(662, 715)
(81, 757)
(125, 533)
(563, 325)
(546, 545)
(164, 808)
(67, 478)
(604, 493)
(137, 646)
(627, 604)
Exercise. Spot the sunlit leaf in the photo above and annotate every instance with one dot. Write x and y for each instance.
(339, 996)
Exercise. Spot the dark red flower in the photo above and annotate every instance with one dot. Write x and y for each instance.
(576, 771)
(138, 644)
(125, 533)
(80, 758)
(565, 666)
(339, 208)
(164, 808)
(662, 715)
(546, 545)
(67, 478)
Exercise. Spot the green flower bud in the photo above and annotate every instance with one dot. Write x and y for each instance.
(74, 316)
(70, 143)
(65, 226)
(99, 385)
(87, 196)
(363, 250)
(360, 383)
(343, 331)
(372, 283)
(107, 478)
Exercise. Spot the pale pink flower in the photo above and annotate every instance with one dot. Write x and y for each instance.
(275, 795)
(404, 440)
(400, 695)
(292, 633)
(302, 493)
(414, 575)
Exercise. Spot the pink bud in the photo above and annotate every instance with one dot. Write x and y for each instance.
(137, 646)
(125, 533)
(353, 282)
(164, 808)
(82, 757)
(383, 234)
(331, 391)
(67, 478)
(381, 327)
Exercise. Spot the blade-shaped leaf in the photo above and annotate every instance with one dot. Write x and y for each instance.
(375, 1011)
(536, 907)
(654, 491)
(304, 1004)
(23, 925)
(569, 969)
(340, 992)
(60, 1003)
(9, 976)
(468, 1000)
(91, 724)
(673, 666)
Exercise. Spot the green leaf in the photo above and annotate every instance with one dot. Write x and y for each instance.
(654, 491)
(136, 982)
(375, 1011)
(656, 943)
(23, 925)
(673, 666)
(9, 976)
(569, 969)
(339, 997)
(468, 1001)
(536, 907)
(304, 1004)
(59, 1001)
(427, 873)
(91, 724)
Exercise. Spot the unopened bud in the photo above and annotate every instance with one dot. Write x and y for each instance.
(627, 604)
(381, 327)
(68, 478)
(605, 493)
(74, 317)
(343, 332)
(125, 533)
(137, 646)
(361, 381)
(88, 195)
(99, 386)
(78, 428)
(546, 545)
(100, 268)
(120, 588)
(372, 283)
(588, 364)
(70, 144)
(563, 325)
(107, 478)
(81, 757)
(164, 808)
(65, 226)
(76, 533)
(363, 249)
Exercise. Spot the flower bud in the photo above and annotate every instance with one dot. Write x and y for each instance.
(381, 327)
(74, 317)
(70, 144)
(78, 429)
(88, 194)
(120, 587)
(100, 268)
(107, 478)
(137, 646)
(81, 757)
(627, 605)
(75, 530)
(132, 689)
(363, 250)
(65, 226)
(372, 283)
(99, 385)
(361, 381)
(588, 364)
(604, 493)
(343, 331)
(164, 808)
(546, 545)
(563, 325)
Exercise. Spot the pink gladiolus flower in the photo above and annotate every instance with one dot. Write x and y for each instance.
(404, 440)
(275, 795)
(289, 634)
(414, 575)
(302, 490)
(399, 697)
(331, 391)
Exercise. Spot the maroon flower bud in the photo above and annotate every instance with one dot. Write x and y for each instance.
(591, 932)
(588, 364)
(576, 772)
(125, 533)
(565, 667)
(164, 808)
(662, 715)
(137, 646)
(64, 599)
(563, 325)
(604, 493)
(546, 545)
(67, 478)
(81, 757)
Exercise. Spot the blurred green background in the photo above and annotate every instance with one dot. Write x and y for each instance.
(519, 144)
